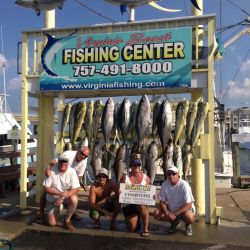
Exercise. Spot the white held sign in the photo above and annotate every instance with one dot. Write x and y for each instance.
(137, 194)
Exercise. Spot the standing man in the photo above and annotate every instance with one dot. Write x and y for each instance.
(176, 202)
(61, 187)
(103, 199)
(77, 161)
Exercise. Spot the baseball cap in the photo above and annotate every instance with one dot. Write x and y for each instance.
(103, 171)
(65, 156)
(173, 169)
(136, 160)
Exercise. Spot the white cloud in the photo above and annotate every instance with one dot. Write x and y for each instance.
(15, 83)
(246, 66)
(239, 90)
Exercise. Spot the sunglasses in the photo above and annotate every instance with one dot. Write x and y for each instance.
(63, 162)
(82, 154)
(173, 174)
(136, 164)
(102, 176)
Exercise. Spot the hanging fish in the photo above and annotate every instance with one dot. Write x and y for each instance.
(192, 111)
(186, 160)
(88, 120)
(115, 131)
(123, 118)
(97, 114)
(80, 111)
(177, 158)
(96, 158)
(199, 122)
(164, 123)
(107, 120)
(65, 119)
(119, 163)
(156, 110)
(143, 119)
(71, 121)
(180, 120)
(133, 112)
(151, 160)
(167, 157)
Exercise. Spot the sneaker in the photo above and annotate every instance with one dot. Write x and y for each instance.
(188, 230)
(68, 226)
(174, 225)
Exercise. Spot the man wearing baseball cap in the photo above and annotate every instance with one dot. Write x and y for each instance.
(61, 187)
(77, 161)
(103, 199)
(176, 202)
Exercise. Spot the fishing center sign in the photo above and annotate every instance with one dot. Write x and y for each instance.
(137, 194)
(159, 58)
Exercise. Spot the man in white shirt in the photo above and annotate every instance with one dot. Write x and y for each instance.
(61, 187)
(176, 202)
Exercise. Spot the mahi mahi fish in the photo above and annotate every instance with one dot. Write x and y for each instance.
(119, 164)
(164, 123)
(143, 119)
(65, 119)
(71, 121)
(199, 122)
(192, 111)
(107, 120)
(88, 120)
(97, 114)
(123, 118)
(80, 111)
(151, 161)
(180, 114)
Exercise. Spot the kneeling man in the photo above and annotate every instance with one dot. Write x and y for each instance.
(61, 188)
(176, 202)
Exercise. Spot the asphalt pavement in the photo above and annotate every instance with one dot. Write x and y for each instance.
(21, 228)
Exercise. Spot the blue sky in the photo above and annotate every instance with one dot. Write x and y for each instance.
(232, 73)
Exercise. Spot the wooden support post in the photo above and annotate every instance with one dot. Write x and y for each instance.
(236, 164)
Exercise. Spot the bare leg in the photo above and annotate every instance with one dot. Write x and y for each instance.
(115, 214)
(188, 217)
(131, 222)
(72, 204)
(144, 213)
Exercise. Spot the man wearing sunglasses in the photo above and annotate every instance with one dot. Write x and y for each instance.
(176, 202)
(103, 199)
(61, 187)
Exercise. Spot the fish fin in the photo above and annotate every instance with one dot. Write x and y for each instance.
(157, 6)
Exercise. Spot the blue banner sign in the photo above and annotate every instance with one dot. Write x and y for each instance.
(125, 60)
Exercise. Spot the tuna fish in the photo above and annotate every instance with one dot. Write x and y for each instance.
(177, 158)
(97, 118)
(133, 112)
(156, 111)
(143, 119)
(96, 158)
(80, 111)
(119, 165)
(180, 121)
(115, 131)
(107, 120)
(65, 119)
(167, 157)
(123, 119)
(164, 123)
(150, 161)
(199, 122)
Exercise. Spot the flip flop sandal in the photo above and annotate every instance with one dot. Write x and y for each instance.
(145, 234)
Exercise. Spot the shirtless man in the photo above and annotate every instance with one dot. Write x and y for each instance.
(103, 199)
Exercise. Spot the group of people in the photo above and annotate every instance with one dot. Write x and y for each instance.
(63, 179)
